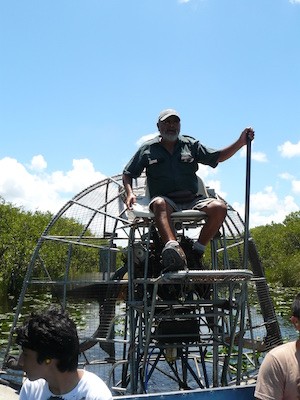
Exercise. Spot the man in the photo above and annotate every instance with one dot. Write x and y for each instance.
(279, 373)
(171, 162)
(50, 353)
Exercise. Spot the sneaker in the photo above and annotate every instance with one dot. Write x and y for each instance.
(173, 257)
(195, 260)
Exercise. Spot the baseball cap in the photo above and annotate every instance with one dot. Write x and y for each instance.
(167, 113)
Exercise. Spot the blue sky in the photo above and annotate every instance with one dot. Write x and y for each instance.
(82, 82)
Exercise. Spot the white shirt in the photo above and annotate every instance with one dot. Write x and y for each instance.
(90, 387)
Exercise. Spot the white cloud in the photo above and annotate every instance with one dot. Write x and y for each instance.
(265, 207)
(79, 177)
(295, 1)
(288, 149)
(34, 189)
(286, 176)
(264, 201)
(255, 155)
(259, 156)
(38, 163)
(216, 186)
(296, 186)
(146, 137)
(294, 182)
(204, 171)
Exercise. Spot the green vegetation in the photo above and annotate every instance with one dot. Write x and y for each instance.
(278, 246)
(279, 249)
(20, 232)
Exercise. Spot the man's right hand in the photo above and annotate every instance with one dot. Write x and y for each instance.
(130, 200)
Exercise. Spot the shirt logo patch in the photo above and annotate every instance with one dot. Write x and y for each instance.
(187, 157)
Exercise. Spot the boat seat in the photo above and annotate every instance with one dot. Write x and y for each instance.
(141, 207)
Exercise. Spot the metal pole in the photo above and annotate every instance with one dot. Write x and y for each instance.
(247, 197)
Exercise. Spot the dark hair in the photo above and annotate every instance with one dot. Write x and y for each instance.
(296, 306)
(52, 334)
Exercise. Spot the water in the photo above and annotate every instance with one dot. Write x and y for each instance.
(82, 311)
(86, 315)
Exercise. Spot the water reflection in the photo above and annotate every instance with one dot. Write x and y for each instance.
(81, 312)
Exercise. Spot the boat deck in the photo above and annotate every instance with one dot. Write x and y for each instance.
(7, 393)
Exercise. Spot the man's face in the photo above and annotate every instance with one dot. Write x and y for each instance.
(296, 322)
(28, 361)
(169, 128)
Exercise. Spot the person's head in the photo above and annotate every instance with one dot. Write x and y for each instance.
(169, 124)
(49, 336)
(295, 318)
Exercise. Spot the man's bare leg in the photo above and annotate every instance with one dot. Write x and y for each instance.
(162, 217)
(216, 213)
(173, 256)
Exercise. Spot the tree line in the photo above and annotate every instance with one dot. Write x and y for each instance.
(278, 245)
(19, 234)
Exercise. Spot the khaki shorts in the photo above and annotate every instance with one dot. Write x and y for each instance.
(197, 204)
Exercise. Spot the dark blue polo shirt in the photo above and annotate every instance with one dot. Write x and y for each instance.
(167, 172)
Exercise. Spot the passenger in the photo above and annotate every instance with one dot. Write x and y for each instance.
(50, 350)
(279, 373)
(171, 162)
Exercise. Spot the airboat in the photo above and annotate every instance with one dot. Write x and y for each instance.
(145, 332)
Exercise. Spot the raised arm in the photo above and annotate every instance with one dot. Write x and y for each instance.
(229, 151)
